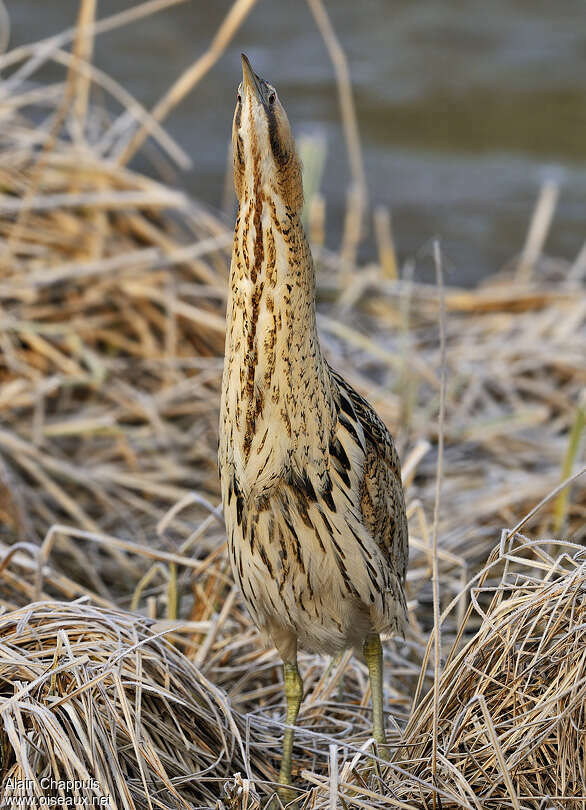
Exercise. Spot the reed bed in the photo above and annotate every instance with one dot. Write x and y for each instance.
(113, 291)
(511, 709)
(85, 692)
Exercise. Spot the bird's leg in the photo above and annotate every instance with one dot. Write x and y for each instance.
(373, 653)
(294, 695)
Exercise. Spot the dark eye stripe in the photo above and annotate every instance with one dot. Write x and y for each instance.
(280, 156)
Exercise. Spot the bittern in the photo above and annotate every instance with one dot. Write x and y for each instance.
(311, 482)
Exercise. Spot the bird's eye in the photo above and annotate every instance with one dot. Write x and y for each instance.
(272, 98)
(239, 97)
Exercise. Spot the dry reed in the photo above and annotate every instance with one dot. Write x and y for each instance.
(112, 288)
(97, 697)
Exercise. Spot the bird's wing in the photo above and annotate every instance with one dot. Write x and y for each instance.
(381, 495)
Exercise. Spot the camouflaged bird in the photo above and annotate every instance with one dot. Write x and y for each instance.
(311, 482)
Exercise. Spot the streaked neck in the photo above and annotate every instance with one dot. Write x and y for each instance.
(276, 390)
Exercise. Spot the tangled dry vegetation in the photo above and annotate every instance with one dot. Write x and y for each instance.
(91, 689)
(125, 652)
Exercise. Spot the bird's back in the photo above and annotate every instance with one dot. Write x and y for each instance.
(382, 502)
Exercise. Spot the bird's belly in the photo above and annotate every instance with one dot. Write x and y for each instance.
(310, 599)
(299, 568)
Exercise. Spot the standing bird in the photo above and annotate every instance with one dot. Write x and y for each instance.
(311, 481)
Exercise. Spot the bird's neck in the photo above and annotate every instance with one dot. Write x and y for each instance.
(277, 403)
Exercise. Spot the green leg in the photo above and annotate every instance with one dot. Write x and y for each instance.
(294, 695)
(373, 653)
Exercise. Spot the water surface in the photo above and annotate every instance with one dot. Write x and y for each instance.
(463, 107)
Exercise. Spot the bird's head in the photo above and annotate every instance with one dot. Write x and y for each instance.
(263, 146)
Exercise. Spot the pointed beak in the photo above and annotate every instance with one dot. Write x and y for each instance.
(250, 80)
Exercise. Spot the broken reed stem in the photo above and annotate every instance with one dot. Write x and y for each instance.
(577, 271)
(568, 463)
(4, 27)
(317, 221)
(82, 52)
(351, 235)
(538, 230)
(385, 242)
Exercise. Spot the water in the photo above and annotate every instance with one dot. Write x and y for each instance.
(463, 107)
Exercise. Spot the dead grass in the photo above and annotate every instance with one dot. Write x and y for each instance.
(112, 290)
(91, 688)
(512, 700)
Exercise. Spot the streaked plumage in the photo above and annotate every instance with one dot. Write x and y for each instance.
(311, 483)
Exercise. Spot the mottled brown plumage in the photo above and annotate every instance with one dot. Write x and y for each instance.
(311, 482)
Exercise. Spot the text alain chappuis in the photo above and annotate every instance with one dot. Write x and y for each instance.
(35, 793)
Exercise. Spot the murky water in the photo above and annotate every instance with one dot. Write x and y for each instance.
(463, 106)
